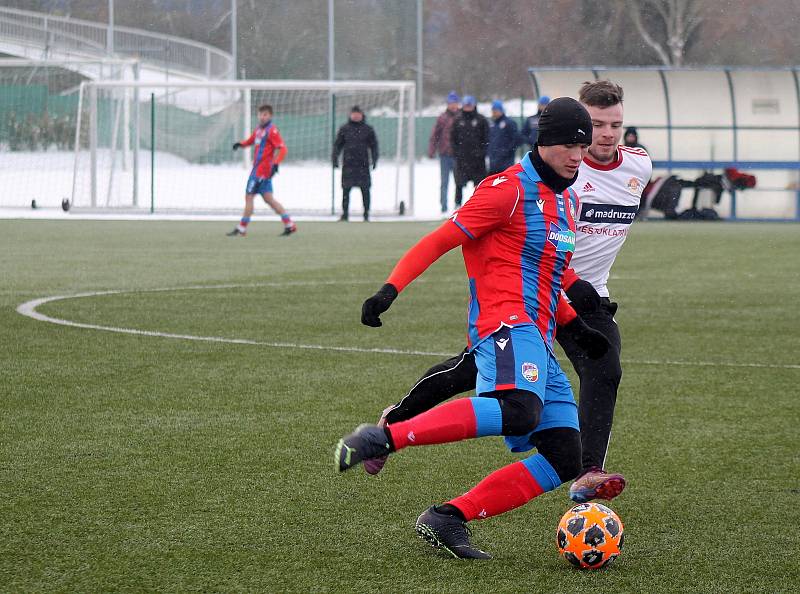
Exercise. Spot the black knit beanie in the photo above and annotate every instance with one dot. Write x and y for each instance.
(564, 121)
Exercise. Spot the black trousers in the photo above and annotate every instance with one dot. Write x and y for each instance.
(365, 197)
(599, 381)
(467, 171)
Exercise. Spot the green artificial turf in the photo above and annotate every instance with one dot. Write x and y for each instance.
(145, 463)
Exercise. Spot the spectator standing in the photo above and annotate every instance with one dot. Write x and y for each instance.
(530, 129)
(440, 143)
(469, 139)
(503, 139)
(631, 138)
(357, 140)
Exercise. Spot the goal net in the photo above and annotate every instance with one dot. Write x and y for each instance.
(167, 147)
(38, 113)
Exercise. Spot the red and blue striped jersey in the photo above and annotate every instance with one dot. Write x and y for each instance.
(267, 141)
(522, 236)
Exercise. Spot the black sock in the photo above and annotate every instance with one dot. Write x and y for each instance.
(389, 438)
(450, 510)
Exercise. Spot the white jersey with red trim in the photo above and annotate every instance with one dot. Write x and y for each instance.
(609, 198)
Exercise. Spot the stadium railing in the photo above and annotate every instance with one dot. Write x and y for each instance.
(54, 33)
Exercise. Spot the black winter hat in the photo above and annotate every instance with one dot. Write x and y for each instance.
(356, 109)
(564, 121)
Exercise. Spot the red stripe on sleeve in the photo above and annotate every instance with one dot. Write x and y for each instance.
(564, 313)
(569, 278)
(249, 140)
(424, 253)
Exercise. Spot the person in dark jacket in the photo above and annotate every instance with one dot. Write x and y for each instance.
(631, 138)
(530, 130)
(469, 139)
(357, 140)
(503, 139)
(439, 142)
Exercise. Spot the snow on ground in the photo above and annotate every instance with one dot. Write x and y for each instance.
(184, 190)
(215, 191)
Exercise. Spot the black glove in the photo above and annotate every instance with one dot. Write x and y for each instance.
(590, 340)
(377, 304)
(237, 145)
(583, 297)
(274, 169)
(374, 164)
(335, 163)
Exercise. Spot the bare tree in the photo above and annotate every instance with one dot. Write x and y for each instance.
(667, 26)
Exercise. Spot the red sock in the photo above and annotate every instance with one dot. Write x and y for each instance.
(501, 491)
(452, 421)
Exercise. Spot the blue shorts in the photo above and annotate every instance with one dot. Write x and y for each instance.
(258, 185)
(517, 358)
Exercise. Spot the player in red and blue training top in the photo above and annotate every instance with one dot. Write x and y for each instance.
(609, 186)
(517, 234)
(266, 141)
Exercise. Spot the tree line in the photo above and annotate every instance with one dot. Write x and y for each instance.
(483, 46)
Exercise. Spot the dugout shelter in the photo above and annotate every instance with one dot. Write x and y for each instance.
(696, 120)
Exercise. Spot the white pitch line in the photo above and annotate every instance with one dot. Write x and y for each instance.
(29, 309)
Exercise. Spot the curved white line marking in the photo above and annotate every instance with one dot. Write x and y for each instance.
(29, 309)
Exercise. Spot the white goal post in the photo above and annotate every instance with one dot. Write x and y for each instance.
(167, 146)
(38, 110)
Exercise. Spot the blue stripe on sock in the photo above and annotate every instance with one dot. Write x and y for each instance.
(245, 220)
(542, 471)
(284, 217)
(488, 416)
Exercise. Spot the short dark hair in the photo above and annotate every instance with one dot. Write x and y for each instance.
(600, 93)
(265, 107)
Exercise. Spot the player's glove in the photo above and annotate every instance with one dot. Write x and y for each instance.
(374, 164)
(583, 297)
(335, 163)
(237, 145)
(274, 169)
(377, 304)
(588, 339)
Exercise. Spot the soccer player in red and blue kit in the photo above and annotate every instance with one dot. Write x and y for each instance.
(517, 234)
(267, 142)
(609, 186)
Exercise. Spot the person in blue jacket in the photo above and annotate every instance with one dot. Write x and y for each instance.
(530, 130)
(503, 139)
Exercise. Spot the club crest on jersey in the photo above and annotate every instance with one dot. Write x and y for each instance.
(530, 372)
(634, 186)
(564, 241)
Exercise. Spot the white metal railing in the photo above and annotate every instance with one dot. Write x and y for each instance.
(74, 35)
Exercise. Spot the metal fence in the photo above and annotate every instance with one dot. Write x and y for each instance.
(53, 34)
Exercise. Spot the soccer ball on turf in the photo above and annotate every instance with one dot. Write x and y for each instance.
(589, 536)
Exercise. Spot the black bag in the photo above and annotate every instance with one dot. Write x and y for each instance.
(663, 194)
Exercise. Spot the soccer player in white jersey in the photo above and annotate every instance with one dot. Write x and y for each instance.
(609, 186)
